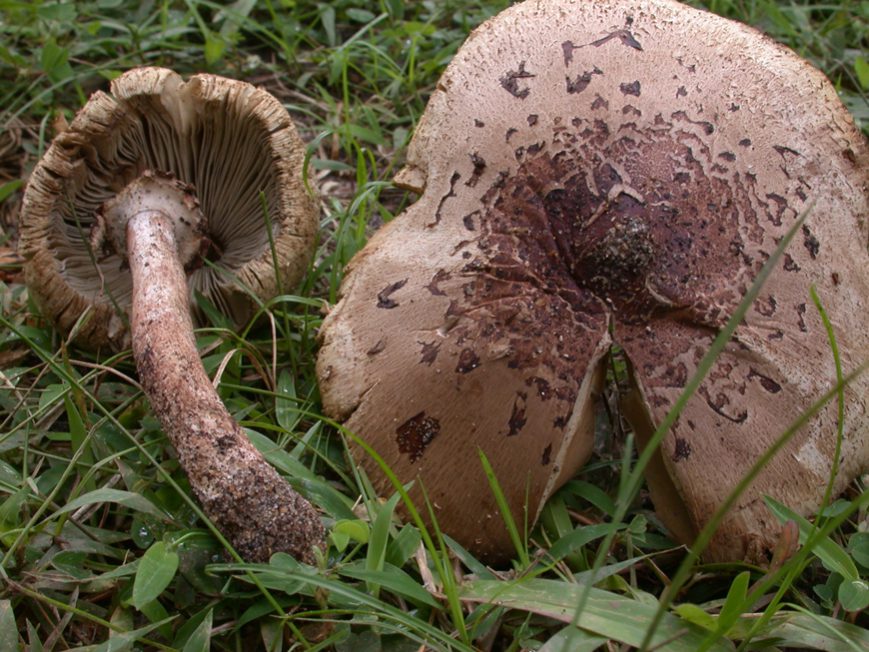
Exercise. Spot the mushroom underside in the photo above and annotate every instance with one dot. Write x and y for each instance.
(113, 232)
(204, 131)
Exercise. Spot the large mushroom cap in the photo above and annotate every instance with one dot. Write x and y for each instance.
(611, 170)
(203, 131)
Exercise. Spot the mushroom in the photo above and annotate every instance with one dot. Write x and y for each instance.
(599, 172)
(115, 222)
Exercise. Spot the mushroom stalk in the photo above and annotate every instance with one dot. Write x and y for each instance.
(241, 493)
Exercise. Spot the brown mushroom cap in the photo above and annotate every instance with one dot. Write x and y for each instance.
(611, 171)
(204, 131)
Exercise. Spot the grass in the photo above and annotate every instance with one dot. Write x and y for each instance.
(102, 546)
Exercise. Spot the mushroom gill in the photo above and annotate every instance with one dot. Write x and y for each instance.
(226, 140)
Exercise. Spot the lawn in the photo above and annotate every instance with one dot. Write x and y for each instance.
(103, 546)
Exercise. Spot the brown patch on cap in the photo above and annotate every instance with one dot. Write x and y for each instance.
(378, 347)
(581, 82)
(682, 450)
(517, 417)
(630, 88)
(429, 352)
(510, 81)
(440, 276)
(813, 246)
(415, 435)
(384, 297)
(468, 361)
(765, 381)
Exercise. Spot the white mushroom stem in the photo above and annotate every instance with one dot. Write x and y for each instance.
(241, 493)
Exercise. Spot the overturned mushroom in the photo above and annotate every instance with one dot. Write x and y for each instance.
(115, 223)
(611, 171)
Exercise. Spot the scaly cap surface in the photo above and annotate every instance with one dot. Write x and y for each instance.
(622, 169)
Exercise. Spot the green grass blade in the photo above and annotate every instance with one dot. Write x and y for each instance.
(831, 554)
(200, 638)
(156, 569)
(393, 579)
(604, 614)
(630, 487)
(8, 628)
(840, 396)
(129, 499)
(804, 630)
(520, 541)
